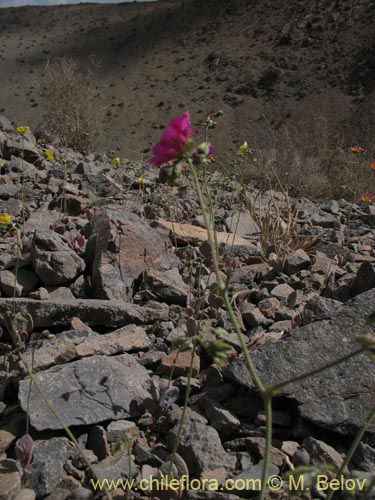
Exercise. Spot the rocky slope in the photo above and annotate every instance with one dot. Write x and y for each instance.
(306, 64)
(110, 267)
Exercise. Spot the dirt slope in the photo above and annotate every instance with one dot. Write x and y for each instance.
(265, 63)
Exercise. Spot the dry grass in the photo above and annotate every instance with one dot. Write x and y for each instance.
(309, 162)
(73, 114)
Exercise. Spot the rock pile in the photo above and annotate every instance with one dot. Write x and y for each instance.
(108, 263)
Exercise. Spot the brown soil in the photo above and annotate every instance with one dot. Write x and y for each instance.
(265, 63)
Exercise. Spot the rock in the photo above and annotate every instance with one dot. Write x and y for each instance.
(268, 307)
(47, 467)
(9, 285)
(168, 286)
(26, 494)
(338, 399)
(301, 457)
(187, 233)
(289, 447)
(97, 443)
(6, 439)
(252, 316)
(179, 362)
(282, 291)
(221, 419)
(125, 246)
(122, 429)
(323, 219)
(281, 326)
(365, 279)
(21, 146)
(117, 467)
(256, 447)
(364, 457)
(251, 478)
(10, 479)
(40, 220)
(77, 324)
(81, 493)
(87, 391)
(92, 312)
(200, 445)
(74, 204)
(60, 293)
(243, 225)
(54, 262)
(320, 308)
(296, 261)
(322, 453)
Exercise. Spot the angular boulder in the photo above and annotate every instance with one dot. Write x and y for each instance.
(124, 246)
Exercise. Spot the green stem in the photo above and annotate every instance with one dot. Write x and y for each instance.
(353, 447)
(266, 397)
(274, 388)
(186, 401)
(267, 401)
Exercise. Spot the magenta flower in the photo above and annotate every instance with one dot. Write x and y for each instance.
(173, 140)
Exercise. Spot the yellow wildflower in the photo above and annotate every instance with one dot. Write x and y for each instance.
(116, 161)
(244, 148)
(141, 179)
(5, 218)
(22, 130)
(255, 160)
(49, 154)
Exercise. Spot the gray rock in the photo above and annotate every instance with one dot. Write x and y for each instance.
(200, 445)
(71, 345)
(364, 457)
(92, 312)
(324, 219)
(81, 493)
(60, 293)
(121, 429)
(10, 479)
(365, 279)
(26, 494)
(340, 398)
(243, 225)
(322, 453)
(47, 468)
(221, 419)
(320, 308)
(251, 477)
(296, 261)
(54, 262)
(40, 220)
(87, 391)
(168, 286)
(282, 291)
(252, 316)
(125, 246)
(117, 467)
(268, 306)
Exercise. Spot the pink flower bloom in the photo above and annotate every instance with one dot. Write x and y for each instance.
(173, 140)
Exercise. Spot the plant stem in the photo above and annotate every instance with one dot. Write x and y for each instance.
(266, 397)
(186, 401)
